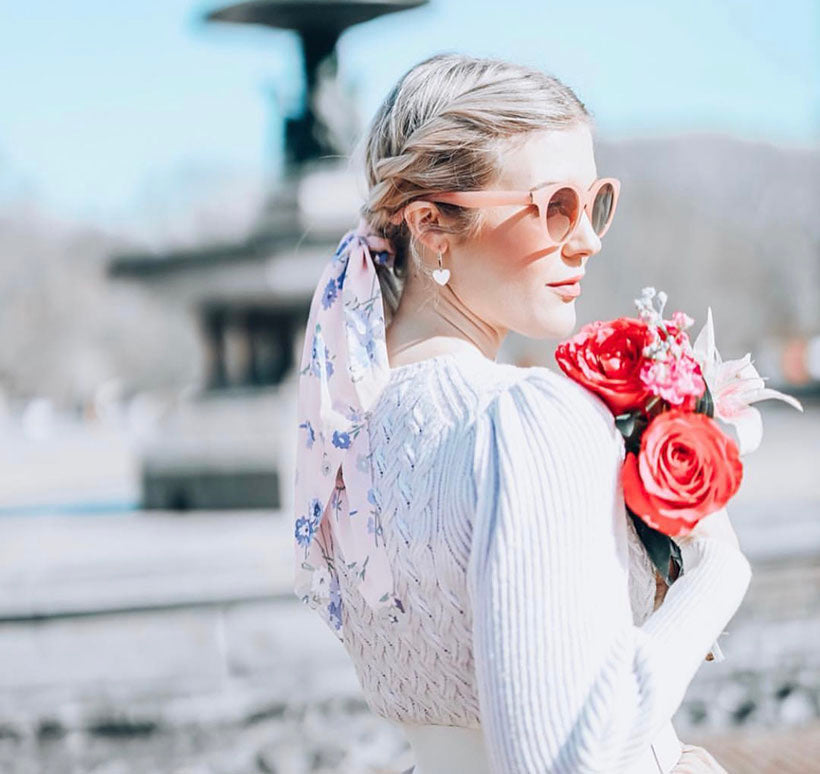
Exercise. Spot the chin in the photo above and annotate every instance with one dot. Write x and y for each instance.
(555, 322)
(560, 323)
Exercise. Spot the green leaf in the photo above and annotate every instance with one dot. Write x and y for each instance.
(626, 424)
(631, 427)
(706, 404)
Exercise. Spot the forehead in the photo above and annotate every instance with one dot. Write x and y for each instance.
(539, 157)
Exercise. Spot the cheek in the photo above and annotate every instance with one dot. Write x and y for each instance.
(514, 249)
(518, 257)
(519, 238)
(506, 281)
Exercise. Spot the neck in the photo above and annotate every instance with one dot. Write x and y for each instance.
(428, 311)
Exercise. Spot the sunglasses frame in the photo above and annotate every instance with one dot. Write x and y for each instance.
(537, 196)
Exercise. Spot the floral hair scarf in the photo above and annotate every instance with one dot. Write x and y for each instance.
(343, 369)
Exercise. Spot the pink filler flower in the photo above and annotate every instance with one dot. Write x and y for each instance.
(670, 369)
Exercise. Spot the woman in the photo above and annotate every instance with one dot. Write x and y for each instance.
(460, 524)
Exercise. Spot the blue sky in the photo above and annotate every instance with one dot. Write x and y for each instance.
(103, 103)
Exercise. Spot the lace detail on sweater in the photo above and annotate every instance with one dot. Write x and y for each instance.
(422, 673)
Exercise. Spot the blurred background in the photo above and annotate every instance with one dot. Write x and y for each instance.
(173, 177)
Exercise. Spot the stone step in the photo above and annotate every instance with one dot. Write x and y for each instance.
(85, 565)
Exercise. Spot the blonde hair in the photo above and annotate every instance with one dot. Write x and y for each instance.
(444, 126)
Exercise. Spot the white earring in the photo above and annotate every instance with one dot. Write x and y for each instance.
(440, 274)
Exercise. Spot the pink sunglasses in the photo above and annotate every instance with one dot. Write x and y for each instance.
(559, 204)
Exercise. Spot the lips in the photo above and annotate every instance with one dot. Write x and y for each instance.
(568, 290)
(568, 281)
(569, 287)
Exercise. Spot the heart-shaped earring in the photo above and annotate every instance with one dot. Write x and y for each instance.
(441, 275)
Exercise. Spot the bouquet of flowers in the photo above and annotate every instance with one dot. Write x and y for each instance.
(668, 397)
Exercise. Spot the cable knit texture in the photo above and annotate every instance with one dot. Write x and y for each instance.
(529, 595)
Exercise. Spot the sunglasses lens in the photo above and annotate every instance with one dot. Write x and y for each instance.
(602, 207)
(562, 213)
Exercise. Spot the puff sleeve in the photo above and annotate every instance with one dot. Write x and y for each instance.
(567, 682)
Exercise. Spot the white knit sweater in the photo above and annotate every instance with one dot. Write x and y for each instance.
(529, 595)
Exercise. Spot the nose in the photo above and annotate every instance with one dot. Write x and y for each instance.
(583, 242)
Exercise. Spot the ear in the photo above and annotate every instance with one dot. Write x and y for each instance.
(422, 217)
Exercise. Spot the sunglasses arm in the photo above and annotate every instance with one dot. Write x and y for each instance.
(482, 198)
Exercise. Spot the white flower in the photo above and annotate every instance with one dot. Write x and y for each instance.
(734, 385)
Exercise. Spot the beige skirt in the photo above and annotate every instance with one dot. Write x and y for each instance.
(446, 749)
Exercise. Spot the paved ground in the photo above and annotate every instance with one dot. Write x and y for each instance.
(775, 751)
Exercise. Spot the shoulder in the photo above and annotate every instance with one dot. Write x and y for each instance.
(538, 393)
(542, 413)
(480, 383)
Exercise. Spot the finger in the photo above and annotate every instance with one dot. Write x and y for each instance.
(697, 760)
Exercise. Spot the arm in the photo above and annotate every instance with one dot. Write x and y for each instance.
(567, 682)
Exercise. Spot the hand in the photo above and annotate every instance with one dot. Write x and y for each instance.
(715, 526)
(661, 586)
(660, 589)
(696, 760)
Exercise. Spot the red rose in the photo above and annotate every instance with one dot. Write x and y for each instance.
(606, 358)
(687, 468)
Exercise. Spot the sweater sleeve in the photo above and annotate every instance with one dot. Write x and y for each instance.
(563, 685)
